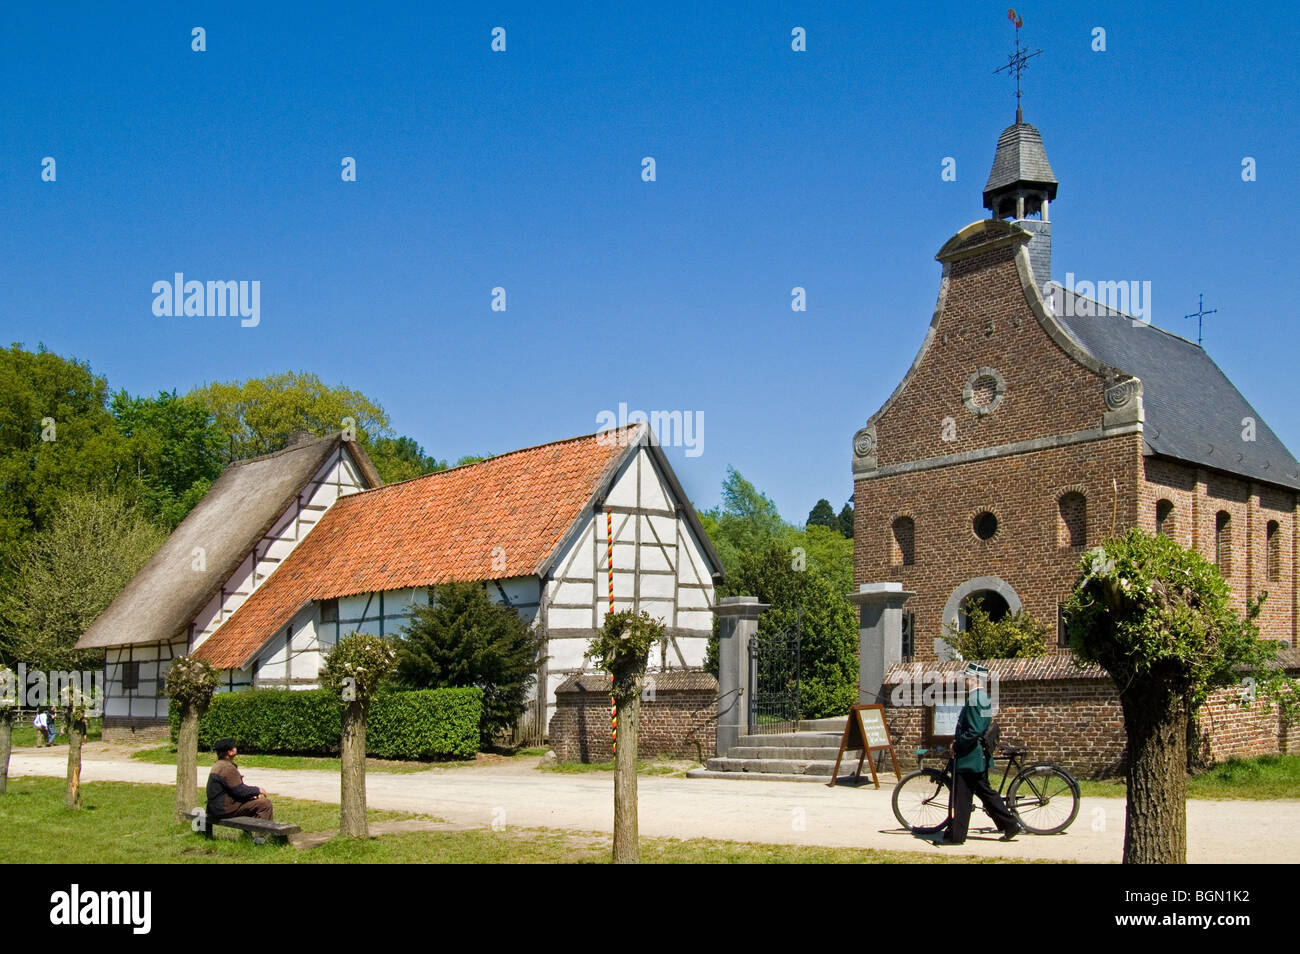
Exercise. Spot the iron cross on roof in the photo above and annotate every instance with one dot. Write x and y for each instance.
(1199, 314)
(1017, 61)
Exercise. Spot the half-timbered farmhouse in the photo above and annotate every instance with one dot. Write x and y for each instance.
(531, 524)
(231, 543)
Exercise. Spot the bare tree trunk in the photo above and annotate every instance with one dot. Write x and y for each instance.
(187, 763)
(1155, 824)
(352, 758)
(76, 733)
(6, 747)
(626, 839)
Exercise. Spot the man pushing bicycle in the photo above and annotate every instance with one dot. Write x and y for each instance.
(971, 764)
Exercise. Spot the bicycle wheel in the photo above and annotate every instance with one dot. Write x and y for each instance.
(921, 799)
(1045, 798)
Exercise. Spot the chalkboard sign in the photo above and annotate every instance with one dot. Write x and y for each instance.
(867, 732)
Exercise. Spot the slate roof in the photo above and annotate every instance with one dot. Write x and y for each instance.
(433, 529)
(1193, 412)
(161, 600)
(1020, 158)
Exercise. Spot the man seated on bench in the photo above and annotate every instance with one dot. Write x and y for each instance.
(228, 796)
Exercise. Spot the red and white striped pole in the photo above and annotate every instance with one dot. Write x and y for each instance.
(609, 559)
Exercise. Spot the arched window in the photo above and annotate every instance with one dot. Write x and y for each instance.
(1273, 539)
(904, 542)
(1223, 542)
(1072, 520)
(1165, 517)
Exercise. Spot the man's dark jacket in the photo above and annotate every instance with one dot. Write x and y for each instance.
(226, 789)
(974, 719)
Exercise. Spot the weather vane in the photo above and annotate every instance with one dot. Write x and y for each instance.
(1017, 62)
(1199, 314)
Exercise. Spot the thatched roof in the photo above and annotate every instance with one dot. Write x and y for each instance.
(164, 597)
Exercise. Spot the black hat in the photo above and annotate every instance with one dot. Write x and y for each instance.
(222, 746)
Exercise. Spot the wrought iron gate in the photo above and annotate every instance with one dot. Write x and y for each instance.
(774, 679)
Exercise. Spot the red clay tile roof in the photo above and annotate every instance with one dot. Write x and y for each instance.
(430, 530)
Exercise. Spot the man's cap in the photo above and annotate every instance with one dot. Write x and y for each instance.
(976, 670)
(223, 745)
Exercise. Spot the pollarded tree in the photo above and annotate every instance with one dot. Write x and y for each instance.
(190, 685)
(622, 649)
(8, 705)
(77, 706)
(354, 669)
(1157, 617)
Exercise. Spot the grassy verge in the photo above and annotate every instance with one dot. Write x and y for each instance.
(122, 823)
(1262, 778)
(166, 755)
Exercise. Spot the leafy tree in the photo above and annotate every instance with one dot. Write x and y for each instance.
(823, 515)
(67, 574)
(401, 458)
(1158, 618)
(810, 600)
(1016, 636)
(174, 447)
(746, 522)
(56, 437)
(466, 639)
(846, 520)
(259, 415)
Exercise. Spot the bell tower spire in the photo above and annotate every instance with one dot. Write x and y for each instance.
(1021, 184)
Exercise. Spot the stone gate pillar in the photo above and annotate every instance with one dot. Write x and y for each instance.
(880, 635)
(737, 622)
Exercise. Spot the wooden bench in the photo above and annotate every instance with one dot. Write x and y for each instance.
(260, 831)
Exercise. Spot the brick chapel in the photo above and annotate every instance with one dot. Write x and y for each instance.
(1034, 423)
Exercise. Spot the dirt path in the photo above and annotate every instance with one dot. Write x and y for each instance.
(515, 793)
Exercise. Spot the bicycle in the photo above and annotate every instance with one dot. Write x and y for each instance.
(1043, 796)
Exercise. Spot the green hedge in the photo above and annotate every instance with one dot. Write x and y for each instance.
(421, 724)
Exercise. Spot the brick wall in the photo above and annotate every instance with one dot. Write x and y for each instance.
(1072, 716)
(678, 720)
(1028, 551)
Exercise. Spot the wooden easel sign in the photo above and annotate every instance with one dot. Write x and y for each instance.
(865, 731)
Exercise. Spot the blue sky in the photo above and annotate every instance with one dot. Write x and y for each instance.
(522, 170)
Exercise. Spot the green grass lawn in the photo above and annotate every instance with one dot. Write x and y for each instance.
(166, 755)
(1264, 777)
(122, 823)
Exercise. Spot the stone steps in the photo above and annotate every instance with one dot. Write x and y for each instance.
(807, 755)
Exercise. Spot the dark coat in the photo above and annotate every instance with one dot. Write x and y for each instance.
(975, 717)
(226, 789)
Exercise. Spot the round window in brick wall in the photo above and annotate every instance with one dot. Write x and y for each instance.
(985, 525)
(983, 391)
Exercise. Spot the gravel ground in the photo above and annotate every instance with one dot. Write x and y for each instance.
(515, 793)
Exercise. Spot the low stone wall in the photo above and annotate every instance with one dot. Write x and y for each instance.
(125, 729)
(1072, 715)
(678, 717)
